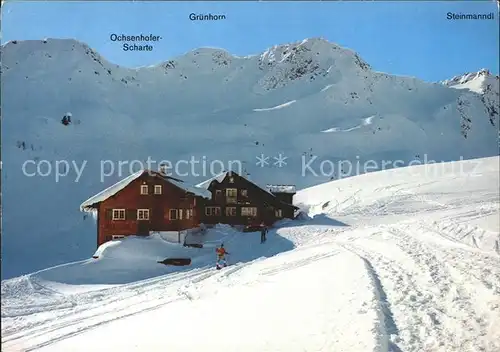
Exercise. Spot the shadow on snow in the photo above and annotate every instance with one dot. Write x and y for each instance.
(136, 258)
(316, 220)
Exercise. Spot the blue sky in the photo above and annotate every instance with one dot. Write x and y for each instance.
(406, 38)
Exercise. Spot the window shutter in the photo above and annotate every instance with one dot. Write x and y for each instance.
(173, 214)
(131, 214)
(108, 214)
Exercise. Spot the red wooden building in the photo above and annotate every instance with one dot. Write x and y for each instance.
(145, 202)
(236, 200)
(149, 201)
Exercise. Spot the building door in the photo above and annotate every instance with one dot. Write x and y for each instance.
(143, 222)
(157, 219)
(143, 228)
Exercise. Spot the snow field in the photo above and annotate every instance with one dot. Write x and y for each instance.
(387, 261)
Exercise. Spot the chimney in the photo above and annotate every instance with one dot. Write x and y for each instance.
(163, 169)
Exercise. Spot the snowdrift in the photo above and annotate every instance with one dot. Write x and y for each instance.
(433, 191)
(136, 258)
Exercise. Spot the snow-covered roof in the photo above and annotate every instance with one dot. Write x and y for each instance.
(112, 190)
(219, 178)
(281, 188)
(198, 191)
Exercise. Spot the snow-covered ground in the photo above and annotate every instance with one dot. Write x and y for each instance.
(400, 260)
(208, 105)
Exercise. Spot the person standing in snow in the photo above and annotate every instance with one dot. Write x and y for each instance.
(263, 232)
(221, 255)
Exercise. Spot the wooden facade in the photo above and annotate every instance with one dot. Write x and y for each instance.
(149, 201)
(147, 204)
(238, 201)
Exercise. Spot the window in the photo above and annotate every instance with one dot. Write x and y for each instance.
(230, 211)
(118, 214)
(189, 213)
(144, 189)
(212, 211)
(173, 214)
(180, 214)
(158, 189)
(249, 211)
(116, 237)
(142, 214)
(278, 213)
(244, 193)
(231, 194)
(231, 179)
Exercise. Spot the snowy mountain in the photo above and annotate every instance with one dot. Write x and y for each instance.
(400, 260)
(313, 102)
(483, 83)
(475, 81)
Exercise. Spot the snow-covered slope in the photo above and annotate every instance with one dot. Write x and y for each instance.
(431, 192)
(399, 260)
(206, 105)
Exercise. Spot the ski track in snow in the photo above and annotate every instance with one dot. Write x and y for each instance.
(151, 292)
(415, 296)
(443, 291)
(386, 326)
(434, 281)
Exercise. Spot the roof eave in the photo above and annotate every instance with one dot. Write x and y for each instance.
(89, 208)
(198, 195)
(289, 205)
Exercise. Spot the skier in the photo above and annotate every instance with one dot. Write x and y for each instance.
(221, 256)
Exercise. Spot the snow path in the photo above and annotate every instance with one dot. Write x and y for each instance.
(213, 285)
(423, 293)
(444, 298)
(381, 266)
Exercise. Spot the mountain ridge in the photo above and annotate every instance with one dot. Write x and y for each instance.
(270, 51)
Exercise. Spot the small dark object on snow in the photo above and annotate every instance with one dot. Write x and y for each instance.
(176, 261)
(195, 245)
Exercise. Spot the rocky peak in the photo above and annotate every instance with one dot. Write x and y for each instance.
(483, 83)
(308, 59)
(468, 79)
